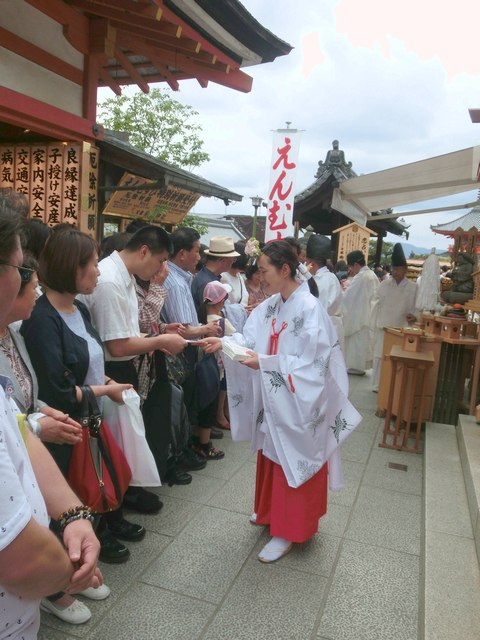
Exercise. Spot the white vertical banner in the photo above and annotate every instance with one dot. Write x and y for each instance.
(283, 168)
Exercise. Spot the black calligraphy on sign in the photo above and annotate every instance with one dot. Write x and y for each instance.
(71, 184)
(22, 169)
(38, 183)
(7, 167)
(54, 185)
(88, 189)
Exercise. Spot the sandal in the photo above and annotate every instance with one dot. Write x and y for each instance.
(208, 452)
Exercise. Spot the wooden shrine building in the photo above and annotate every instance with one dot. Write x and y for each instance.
(55, 54)
(314, 205)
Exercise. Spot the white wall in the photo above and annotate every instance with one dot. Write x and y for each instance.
(28, 78)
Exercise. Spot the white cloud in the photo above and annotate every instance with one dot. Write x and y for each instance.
(389, 91)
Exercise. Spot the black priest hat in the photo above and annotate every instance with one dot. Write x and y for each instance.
(398, 257)
(319, 248)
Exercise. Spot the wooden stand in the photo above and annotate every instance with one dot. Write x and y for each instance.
(409, 364)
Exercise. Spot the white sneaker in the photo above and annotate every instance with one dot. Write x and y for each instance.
(253, 518)
(76, 613)
(99, 593)
(275, 549)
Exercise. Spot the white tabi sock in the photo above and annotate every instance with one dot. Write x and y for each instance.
(275, 549)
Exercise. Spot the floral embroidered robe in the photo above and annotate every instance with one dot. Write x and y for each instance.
(295, 407)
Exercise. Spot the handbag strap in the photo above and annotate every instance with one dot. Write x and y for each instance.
(110, 468)
(91, 416)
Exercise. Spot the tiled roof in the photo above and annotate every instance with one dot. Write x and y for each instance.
(470, 220)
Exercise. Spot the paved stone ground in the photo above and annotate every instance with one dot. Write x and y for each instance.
(196, 575)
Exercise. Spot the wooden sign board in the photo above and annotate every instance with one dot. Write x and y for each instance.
(353, 237)
(53, 179)
(171, 204)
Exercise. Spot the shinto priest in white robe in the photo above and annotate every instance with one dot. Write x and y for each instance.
(359, 313)
(295, 407)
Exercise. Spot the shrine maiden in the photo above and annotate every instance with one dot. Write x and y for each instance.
(289, 398)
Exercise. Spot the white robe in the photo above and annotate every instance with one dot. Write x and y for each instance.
(295, 407)
(331, 296)
(359, 311)
(394, 303)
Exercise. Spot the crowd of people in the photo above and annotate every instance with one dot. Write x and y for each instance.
(155, 312)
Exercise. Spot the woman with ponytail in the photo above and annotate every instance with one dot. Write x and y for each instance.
(289, 397)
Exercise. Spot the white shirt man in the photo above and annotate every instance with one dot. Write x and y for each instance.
(396, 298)
(359, 314)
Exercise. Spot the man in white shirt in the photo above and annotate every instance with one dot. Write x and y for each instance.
(396, 298)
(359, 314)
(329, 289)
(113, 306)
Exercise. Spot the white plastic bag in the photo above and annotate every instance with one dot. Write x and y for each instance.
(126, 424)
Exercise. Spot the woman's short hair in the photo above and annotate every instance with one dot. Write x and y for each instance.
(36, 234)
(66, 251)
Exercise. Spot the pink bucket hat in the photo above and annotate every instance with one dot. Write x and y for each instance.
(216, 291)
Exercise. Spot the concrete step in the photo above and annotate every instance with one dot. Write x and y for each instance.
(451, 569)
(468, 436)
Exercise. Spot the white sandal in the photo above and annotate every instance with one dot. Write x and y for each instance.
(274, 550)
(98, 593)
(76, 613)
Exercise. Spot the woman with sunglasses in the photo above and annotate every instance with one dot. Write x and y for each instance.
(67, 353)
(50, 425)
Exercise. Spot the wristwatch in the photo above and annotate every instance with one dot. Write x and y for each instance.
(35, 426)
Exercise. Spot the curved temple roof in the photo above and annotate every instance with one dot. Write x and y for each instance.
(467, 222)
(142, 41)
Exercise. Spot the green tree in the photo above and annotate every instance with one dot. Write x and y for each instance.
(157, 124)
(194, 222)
(385, 256)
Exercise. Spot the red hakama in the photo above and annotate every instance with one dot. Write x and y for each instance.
(292, 514)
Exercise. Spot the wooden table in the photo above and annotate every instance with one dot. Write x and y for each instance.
(409, 370)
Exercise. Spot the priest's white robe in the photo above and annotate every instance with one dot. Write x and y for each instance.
(394, 303)
(358, 319)
(295, 407)
(331, 296)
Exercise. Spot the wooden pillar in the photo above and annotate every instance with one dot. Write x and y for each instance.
(378, 250)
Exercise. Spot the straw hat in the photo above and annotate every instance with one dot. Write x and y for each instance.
(221, 247)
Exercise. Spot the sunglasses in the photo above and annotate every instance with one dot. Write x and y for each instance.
(25, 272)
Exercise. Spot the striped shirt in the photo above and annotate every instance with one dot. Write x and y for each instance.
(179, 306)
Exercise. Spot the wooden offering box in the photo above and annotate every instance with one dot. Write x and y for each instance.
(454, 328)
(411, 339)
(448, 328)
(431, 327)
